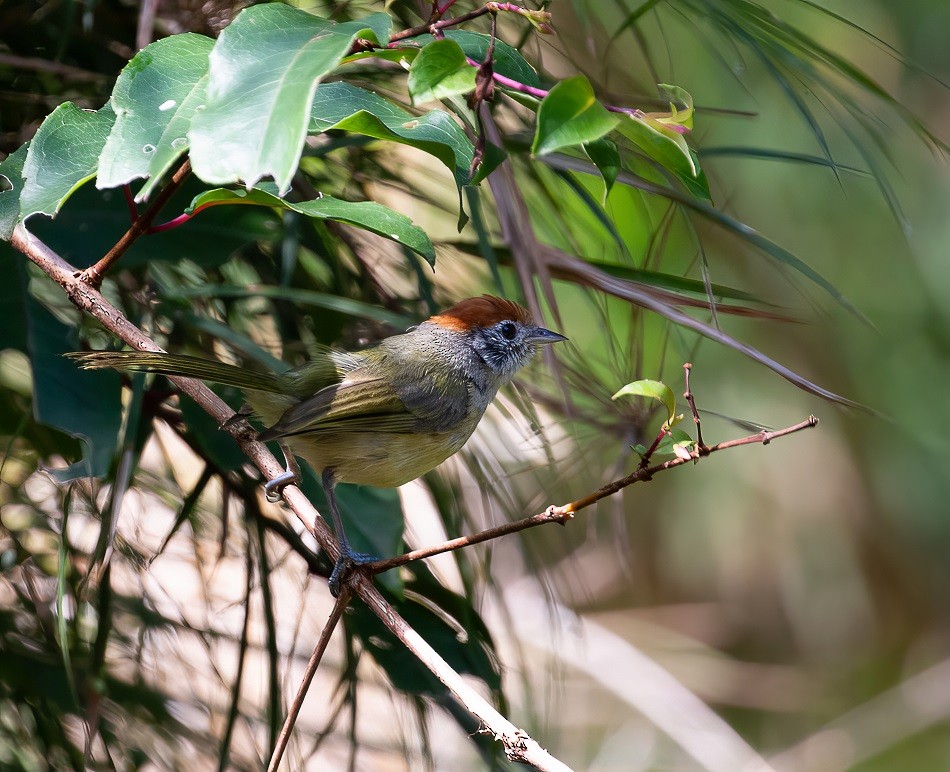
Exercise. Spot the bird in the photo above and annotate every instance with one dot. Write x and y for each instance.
(382, 416)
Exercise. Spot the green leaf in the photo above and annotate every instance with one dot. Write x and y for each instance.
(148, 100)
(65, 397)
(11, 187)
(346, 107)
(264, 71)
(661, 137)
(62, 156)
(368, 215)
(677, 443)
(604, 154)
(571, 115)
(440, 70)
(651, 390)
(508, 60)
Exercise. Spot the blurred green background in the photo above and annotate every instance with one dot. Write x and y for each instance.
(797, 591)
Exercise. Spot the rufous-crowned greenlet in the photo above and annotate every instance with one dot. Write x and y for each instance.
(382, 416)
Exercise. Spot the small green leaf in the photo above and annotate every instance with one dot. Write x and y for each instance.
(368, 215)
(605, 156)
(264, 70)
(147, 99)
(11, 186)
(507, 61)
(651, 390)
(439, 71)
(661, 137)
(677, 443)
(570, 115)
(62, 156)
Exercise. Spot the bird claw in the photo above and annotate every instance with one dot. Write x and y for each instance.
(272, 488)
(348, 562)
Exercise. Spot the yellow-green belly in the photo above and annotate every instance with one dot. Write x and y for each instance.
(382, 459)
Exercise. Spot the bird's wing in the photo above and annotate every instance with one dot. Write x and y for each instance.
(368, 404)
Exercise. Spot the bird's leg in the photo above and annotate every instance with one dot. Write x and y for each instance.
(291, 474)
(348, 559)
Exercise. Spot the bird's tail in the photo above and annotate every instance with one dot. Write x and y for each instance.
(181, 364)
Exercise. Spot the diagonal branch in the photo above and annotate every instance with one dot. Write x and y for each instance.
(339, 607)
(94, 274)
(518, 745)
(561, 514)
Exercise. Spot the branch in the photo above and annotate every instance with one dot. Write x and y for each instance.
(541, 17)
(561, 514)
(341, 603)
(94, 274)
(518, 745)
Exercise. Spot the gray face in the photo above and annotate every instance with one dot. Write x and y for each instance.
(509, 345)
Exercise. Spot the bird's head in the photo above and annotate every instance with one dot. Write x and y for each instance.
(501, 333)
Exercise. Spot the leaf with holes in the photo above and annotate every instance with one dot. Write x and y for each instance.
(154, 93)
(264, 70)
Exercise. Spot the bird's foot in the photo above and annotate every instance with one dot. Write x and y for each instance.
(290, 475)
(272, 488)
(348, 562)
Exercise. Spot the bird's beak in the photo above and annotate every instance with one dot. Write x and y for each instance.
(540, 336)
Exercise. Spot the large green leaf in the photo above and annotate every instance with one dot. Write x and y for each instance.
(64, 397)
(62, 156)
(264, 71)
(368, 215)
(570, 115)
(154, 91)
(11, 186)
(439, 71)
(349, 108)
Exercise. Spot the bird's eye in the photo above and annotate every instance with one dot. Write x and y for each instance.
(508, 330)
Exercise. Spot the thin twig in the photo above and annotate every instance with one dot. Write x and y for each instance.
(94, 274)
(341, 603)
(688, 395)
(561, 514)
(441, 24)
(518, 745)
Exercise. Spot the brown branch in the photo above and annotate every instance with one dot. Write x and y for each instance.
(561, 514)
(690, 400)
(441, 24)
(517, 744)
(341, 603)
(94, 274)
(39, 64)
